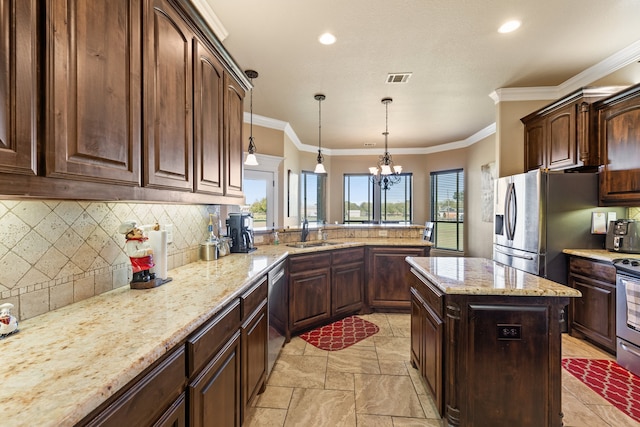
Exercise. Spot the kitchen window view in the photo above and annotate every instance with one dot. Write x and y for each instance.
(258, 190)
(365, 202)
(312, 197)
(447, 209)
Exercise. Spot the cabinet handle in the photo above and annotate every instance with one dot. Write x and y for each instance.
(630, 350)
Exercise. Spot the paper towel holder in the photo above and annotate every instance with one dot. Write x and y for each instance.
(136, 241)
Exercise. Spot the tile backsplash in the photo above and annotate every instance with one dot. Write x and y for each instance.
(54, 253)
(634, 213)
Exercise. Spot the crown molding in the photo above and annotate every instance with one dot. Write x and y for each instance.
(212, 19)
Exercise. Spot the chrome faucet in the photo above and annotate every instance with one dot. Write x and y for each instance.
(305, 231)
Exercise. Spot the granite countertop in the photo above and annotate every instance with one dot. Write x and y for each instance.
(480, 276)
(65, 363)
(599, 254)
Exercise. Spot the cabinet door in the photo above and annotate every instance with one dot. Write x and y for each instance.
(18, 86)
(347, 288)
(93, 88)
(214, 395)
(562, 146)
(433, 336)
(254, 354)
(175, 416)
(387, 281)
(233, 111)
(593, 315)
(310, 298)
(168, 92)
(534, 145)
(618, 126)
(208, 120)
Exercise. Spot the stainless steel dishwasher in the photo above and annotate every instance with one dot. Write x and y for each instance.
(277, 303)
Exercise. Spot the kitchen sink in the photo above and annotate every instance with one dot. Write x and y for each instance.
(310, 244)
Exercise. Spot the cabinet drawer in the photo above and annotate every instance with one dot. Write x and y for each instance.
(309, 262)
(202, 345)
(596, 270)
(251, 299)
(432, 296)
(346, 256)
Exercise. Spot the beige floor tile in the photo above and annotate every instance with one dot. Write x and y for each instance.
(274, 397)
(338, 381)
(265, 417)
(386, 395)
(312, 350)
(365, 420)
(393, 367)
(415, 379)
(613, 416)
(415, 422)
(393, 348)
(298, 371)
(295, 346)
(574, 347)
(321, 408)
(580, 390)
(400, 324)
(381, 321)
(577, 413)
(428, 406)
(354, 359)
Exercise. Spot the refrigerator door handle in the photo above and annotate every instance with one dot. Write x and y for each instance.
(511, 211)
(528, 258)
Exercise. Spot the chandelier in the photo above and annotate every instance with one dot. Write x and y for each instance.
(385, 174)
(251, 159)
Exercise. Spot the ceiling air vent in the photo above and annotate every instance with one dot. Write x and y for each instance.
(398, 78)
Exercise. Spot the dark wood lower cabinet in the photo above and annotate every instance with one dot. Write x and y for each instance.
(347, 281)
(214, 394)
(176, 415)
(499, 357)
(254, 355)
(593, 316)
(388, 277)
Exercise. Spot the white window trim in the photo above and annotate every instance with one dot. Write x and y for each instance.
(267, 163)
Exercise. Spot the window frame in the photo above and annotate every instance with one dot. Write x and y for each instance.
(459, 209)
(378, 200)
(321, 204)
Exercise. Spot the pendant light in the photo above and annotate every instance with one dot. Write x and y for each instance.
(251, 159)
(385, 174)
(319, 167)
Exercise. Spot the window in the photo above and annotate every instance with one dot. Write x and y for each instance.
(312, 197)
(364, 201)
(447, 209)
(261, 192)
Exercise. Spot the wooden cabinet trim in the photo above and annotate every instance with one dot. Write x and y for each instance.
(253, 297)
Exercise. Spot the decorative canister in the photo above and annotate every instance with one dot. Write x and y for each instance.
(223, 246)
(209, 251)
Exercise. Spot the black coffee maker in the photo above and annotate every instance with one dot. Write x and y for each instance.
(240, 230)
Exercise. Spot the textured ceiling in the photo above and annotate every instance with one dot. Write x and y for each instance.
(452, 47)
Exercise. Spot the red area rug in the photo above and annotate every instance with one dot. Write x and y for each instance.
(340, 334)
(620, 387)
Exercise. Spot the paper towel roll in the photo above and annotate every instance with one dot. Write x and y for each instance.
(158, 242)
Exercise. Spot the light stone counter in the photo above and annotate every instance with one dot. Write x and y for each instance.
(65, 363)
(480, 276)
(599, 254)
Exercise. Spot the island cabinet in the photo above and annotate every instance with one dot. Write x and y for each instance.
(156, 397)
(488, 356)
(618, 124)
(18, 87)
(388, 276)
(594, 315)
(561, 135)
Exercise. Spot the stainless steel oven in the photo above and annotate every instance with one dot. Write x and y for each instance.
(628, 313)
(277, 310)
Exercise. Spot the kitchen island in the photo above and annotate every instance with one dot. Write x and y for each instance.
(486, 340)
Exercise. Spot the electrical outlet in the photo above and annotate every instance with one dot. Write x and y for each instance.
(258, 239)
(169, 229)
(383, 233)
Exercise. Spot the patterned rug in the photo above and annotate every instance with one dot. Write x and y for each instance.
(619, 386)
(340, 334)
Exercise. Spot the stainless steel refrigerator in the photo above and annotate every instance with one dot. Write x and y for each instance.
(538, 214)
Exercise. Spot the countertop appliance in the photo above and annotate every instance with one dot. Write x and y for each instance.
(628, 313)
(277, 307)
(623, 236)
(538, 214)
(240, 230)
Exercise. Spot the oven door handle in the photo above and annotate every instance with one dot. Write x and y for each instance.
(629, 349)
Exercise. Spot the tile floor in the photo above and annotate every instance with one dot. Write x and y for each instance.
(373, 384)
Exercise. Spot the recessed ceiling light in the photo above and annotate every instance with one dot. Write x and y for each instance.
(509, 26)
(327, 38)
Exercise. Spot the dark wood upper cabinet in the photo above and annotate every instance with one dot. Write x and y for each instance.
(234, 97)
(208, 120)
(619, 137)
(168, 93)
(18, 86)
(561, 135)
(93, 110)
